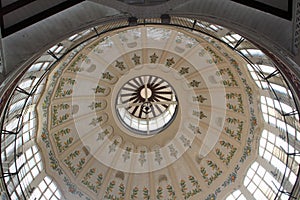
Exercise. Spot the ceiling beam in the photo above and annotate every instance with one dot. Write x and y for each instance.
(286, 14)
(14, 6)
(6, 31)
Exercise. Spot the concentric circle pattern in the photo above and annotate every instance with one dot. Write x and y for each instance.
(146, 104)
(105, 103)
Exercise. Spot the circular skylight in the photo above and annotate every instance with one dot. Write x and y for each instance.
(146, 105)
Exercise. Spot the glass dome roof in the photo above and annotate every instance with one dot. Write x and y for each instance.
(81, 115)
(225, 124)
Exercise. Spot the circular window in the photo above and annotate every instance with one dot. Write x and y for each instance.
(146, 105)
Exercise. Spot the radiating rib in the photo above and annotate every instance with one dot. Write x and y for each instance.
(158, 108)
(137, 83)
(129, 89)
(134, 110)
(164, 92)
(162, 87)
(162, 97)
(157, 84)
(128, 100)
(141, 81)
(128, 94)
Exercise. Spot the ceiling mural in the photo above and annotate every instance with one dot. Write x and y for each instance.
(149, 113)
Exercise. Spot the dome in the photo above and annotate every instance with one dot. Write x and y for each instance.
(152, 111)
(92, 142)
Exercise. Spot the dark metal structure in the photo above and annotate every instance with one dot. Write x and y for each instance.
(10, 137)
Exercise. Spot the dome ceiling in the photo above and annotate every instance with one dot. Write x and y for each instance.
(102, 100)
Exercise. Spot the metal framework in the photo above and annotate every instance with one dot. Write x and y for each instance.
(95, 32)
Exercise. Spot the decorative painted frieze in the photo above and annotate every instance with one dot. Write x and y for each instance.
(247, 150)
(195, 129)
(158, 158)
(146, 194)
(102, 134)
(225, 154)
(126, 154)
(228, 77)
(186, 142)
(235, 102)
(194, 83)
(134, 193)
(211, 197)
(170, 62)
(189, 188)
(109, 190)
(199, 98)
(159, 193)
(120, 65)
(62, 139)
(202, 52)
(60, 113)
(215, 57)
(142, 158)
(75, 161)
(153, 58)
(101, 90)
(91, 181)
(173, 151)
(57, 166)
(136, 59)
(184, 70)
(231, 177)
(212, 173)
(107, 76)
(64, 88)
(97, 105)
(75, 64)
(171, 192)
(199, 114)
(112, 147)
(193, 191)
(96, 121)
(234, 128)
(122, 191)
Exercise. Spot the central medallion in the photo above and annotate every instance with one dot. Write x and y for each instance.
(146, 105)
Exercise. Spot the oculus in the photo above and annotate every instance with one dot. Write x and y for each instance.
(146, 105)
